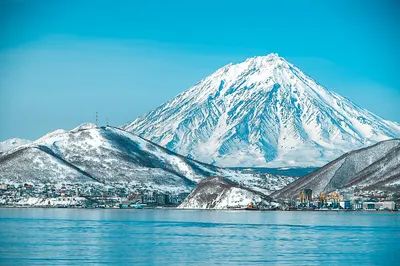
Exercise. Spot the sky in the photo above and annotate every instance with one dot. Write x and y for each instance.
(61, 61)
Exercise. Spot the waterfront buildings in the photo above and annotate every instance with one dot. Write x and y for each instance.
(380, 205)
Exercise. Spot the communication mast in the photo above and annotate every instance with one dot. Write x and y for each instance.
(97, 119)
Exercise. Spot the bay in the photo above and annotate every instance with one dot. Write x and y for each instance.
(36, 236)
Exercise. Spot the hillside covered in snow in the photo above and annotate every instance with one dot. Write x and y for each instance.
(101, 154)
(373, 168)
(110, 155)
(263, 112)
(222, 193)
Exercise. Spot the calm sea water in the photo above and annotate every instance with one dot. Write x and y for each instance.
(163, 237)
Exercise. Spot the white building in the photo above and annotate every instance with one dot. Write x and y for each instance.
(379, 205)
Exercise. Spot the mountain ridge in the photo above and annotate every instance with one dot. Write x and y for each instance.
(105, 155)
(97, 153)
(376, 167)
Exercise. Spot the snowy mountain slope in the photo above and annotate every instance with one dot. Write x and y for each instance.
(221, 193)
(89, 154)
(383, 174)
(106, 154)
(374, 167)
(262, 112)
(12, 143)
(38, 165)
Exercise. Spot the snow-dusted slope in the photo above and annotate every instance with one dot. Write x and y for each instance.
(374, 167)
(221, 193)
(262, 112)
(38, 165)
(92, 154)
(105, 154)
(12, 143)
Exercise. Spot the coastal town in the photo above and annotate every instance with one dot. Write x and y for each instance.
(122, 196)
(379, 201)
(85, 196)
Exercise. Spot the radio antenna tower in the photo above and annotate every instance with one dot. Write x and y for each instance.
(97, 119)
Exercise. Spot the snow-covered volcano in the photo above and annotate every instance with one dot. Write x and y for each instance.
(262, 112)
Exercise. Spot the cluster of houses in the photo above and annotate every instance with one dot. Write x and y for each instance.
(344, 201)
(85, 195)
(94, 195)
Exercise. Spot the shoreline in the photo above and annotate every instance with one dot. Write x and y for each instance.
(187, 209)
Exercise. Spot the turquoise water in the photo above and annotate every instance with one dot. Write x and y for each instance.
(165, 237)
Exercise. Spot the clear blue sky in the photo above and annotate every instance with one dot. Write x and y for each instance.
(61, 61)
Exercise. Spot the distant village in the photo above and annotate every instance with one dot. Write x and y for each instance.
(379, 201)
(85, 196)
(119, 196)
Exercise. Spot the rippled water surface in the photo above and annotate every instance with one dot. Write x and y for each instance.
(161, 237)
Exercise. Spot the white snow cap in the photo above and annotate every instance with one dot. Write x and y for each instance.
(86, 125)
(12, 143)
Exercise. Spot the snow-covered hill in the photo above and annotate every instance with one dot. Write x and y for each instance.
(221, 193)
(373, 168)
(12, 143)
(101, 154)
(110, 155)
(262, 112)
